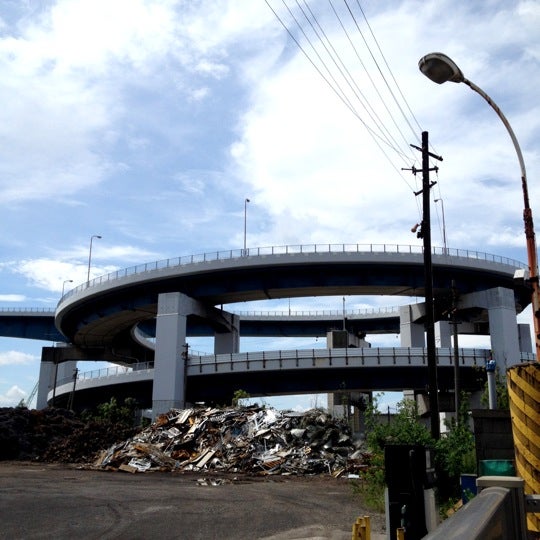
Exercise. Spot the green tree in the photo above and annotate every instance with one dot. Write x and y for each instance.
(111, 411)
(455, 450)
(238, 396)
(404, 428)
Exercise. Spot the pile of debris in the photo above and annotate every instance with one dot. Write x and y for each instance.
(252, 440)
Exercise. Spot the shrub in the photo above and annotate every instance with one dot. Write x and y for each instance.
(114, 413)
(403, 428)
(454, 451)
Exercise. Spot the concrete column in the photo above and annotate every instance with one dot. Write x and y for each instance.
(45, 383)
(503, 327)
(65, 372)
(525, 340)
(411, 333)
(169, 365)
(228, 342)
(443, 334)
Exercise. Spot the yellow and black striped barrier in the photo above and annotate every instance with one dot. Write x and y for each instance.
(523, 382)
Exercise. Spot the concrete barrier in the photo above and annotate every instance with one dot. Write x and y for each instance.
(497, 512)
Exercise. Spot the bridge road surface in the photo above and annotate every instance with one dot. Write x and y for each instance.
(51, 501)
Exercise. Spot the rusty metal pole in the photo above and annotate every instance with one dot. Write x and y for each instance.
(440, 68)
(532, 253)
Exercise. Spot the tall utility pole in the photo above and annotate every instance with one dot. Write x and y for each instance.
(429, 319)
(454, 324)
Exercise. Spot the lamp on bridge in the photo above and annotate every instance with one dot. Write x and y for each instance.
(64, 285)
(440, 68)
(90, 255)
(245, 226)
(443, 225)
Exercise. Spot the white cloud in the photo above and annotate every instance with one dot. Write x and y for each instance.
(50, 274)
(311, 161)
(12, 298)
(16, 358)
(66, 75)
(12, 397)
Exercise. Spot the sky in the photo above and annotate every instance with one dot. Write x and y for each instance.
(150, 122)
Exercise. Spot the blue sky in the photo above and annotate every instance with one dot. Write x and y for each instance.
(150, 122)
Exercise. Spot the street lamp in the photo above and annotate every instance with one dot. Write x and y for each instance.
(440, 68)
(245, 224)
(443, 225)
(64, 285)
(90, 255)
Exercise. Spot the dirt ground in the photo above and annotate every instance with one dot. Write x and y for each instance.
(40, 500)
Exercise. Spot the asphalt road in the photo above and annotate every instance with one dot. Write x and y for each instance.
(58, 501)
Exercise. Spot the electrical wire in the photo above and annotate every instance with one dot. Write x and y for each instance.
(307, 26)
(378, 139)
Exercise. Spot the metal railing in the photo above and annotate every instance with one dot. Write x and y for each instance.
(382, 355)
(111, 371)
(27, 310)
(287, 250)
(394, 354)
(362, 354)
(390, 310)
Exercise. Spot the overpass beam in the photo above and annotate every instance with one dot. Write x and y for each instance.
(411, 332)
(443, 334)
(503, 328)
(228, 342)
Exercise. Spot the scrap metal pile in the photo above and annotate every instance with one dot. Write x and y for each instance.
(253, 440)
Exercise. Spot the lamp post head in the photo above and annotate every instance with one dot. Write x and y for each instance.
(440, 68)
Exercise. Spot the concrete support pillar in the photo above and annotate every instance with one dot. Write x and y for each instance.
(443, 334)
(45, 383)
(525, 340)
(65, 372)
(411, 333)
(228, 342)
(503, 328)
(169, 363)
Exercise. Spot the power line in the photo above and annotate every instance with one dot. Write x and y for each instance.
(331, 66)
(375, 127)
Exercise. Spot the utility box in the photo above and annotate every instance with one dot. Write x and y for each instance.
(409, 472)
(493, 436)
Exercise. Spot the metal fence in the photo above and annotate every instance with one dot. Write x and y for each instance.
(289, 250)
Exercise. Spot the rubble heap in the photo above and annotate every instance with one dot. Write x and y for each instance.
(252, 440)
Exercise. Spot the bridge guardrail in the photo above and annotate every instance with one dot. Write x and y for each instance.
(390, 310)
(28, 310)
(286, 250)
(386, 355)
(107, 372)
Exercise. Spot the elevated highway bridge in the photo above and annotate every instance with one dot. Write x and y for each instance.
(145, 313)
